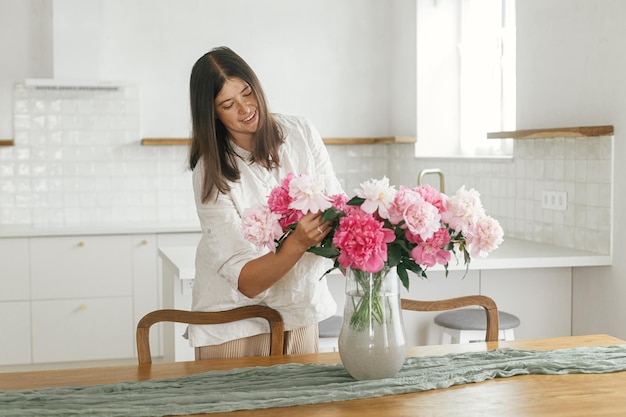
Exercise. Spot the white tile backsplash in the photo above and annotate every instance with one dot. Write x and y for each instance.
(511, 189)
(77, 159)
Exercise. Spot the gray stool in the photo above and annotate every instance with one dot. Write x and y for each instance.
(329, 334)
(466, 325)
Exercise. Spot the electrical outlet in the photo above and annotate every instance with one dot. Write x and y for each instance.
(554, 200)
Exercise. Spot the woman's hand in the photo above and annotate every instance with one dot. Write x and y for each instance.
(259, 274)
(310, 230)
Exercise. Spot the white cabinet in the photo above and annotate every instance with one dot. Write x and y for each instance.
(15, 343)
(146, 284)
(14, 270)
(83, 329)
(82, 298)
(14, 327)
(81, 266)
(79, 298)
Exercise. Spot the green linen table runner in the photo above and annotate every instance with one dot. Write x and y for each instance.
(297, 384)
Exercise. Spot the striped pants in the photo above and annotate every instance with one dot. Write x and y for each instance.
(297, 341)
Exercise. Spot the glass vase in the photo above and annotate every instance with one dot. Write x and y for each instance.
(372, 342)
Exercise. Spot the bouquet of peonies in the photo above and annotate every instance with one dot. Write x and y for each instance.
(411, 229)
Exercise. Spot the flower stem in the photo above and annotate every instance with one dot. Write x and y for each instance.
(368, 300)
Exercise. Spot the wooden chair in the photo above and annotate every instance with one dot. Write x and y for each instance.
(491, 309)
(205, 317)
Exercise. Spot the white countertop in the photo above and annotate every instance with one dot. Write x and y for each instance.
(7, 231)
(512, 254)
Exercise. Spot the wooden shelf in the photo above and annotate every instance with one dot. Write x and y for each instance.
(369, 141)
(7, 142)
(327, 141)
(165, 141)
(559, 132)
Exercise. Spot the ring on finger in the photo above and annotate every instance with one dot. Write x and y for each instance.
(319, 230)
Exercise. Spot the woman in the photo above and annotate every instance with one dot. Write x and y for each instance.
(239, 152)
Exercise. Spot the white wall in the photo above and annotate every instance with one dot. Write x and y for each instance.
(348, 65)
(333, 61)
(570, 72)
(25, 48)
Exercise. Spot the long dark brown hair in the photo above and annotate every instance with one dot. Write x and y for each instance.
(210, 139)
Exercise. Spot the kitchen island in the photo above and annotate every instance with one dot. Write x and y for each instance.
(532, 280)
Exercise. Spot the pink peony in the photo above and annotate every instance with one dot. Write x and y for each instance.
(422, 218)
(402, 199)
(433, 196)
(362, 241)
(484, 236)
(463, 209)
(307, 194)
(279, 198)
(260, 226)
(432, 252)
(292, 216)
(339, 201)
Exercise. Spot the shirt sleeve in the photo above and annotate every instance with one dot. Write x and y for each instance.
(222, 249)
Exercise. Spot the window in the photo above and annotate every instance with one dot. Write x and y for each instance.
(465, 76)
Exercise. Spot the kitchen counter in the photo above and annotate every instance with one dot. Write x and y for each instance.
(7, 231)
(512, 254)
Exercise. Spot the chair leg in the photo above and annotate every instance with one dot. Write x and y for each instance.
(509, 334)
(445, 337)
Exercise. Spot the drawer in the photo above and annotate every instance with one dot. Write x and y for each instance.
(83, 329)
(81, 266)
(14, 269)
(15, 330)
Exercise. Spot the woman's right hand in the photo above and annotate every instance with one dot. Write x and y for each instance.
(310, 230)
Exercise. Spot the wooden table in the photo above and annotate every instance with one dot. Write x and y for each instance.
(594, 395)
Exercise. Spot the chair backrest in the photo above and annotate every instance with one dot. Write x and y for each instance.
(491, 309)
(209, 317)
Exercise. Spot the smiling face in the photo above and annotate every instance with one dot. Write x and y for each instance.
(236, 107)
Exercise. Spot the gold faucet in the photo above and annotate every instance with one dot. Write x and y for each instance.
(432, 171)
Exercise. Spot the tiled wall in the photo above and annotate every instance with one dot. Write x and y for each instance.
(77, 159)
(511, 188)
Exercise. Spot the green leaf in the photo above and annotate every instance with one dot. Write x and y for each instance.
(331, 214)
(402, 274)
(326, 252)
(356, 201)
(394, 254)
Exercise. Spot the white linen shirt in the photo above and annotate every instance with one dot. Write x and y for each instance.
(301, 297)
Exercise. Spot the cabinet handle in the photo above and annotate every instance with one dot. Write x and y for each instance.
(82, 307)
(81, 244)
(144, 242)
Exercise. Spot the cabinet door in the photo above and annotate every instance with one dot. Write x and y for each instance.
(147, 284)
(14, 269)
(82, 329)
(81, 266)
(15, 333)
